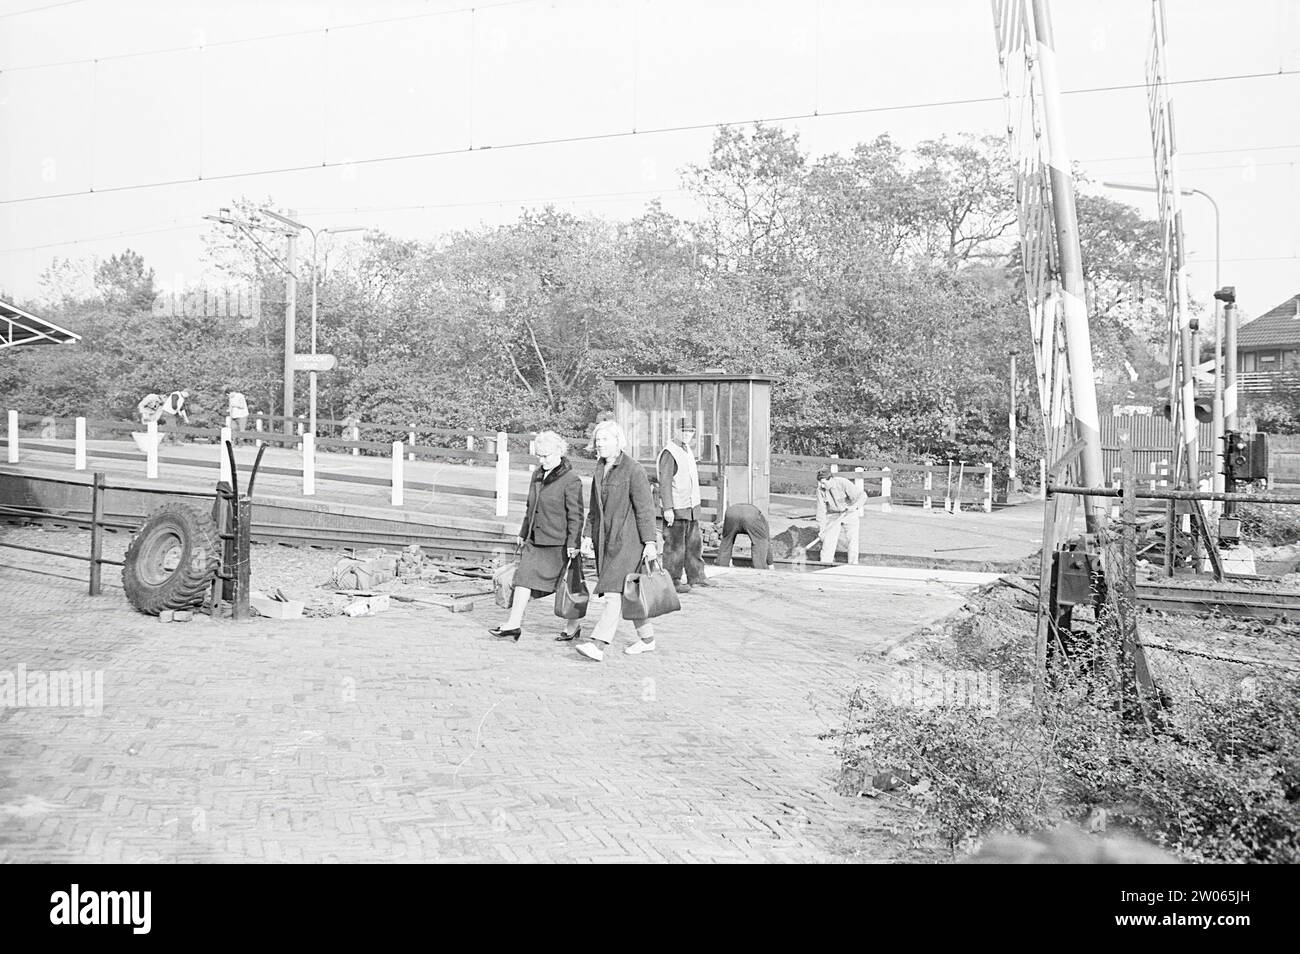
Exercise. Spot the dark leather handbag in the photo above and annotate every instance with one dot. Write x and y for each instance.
(649, 592)
(571, 596)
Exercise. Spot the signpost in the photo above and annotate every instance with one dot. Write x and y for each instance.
(314, 362)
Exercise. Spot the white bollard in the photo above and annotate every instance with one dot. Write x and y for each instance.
(398, 460)
(503, 475)
(309, 465)
(13, 437)
(857, 479)
(79, 445)
(230, 425)
(222, 457)
(886, 491)
(835, 468)
(469, 442)
(356, 436)
(411, 435)
(151, 455)
(1042, 479)
(988, 488)
(929, 486)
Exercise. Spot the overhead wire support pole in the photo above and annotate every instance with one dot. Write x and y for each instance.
(1075, 313)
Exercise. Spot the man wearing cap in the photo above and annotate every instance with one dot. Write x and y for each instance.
(679, 496)
(839, 504)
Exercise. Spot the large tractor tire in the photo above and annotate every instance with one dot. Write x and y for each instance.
(172, 560)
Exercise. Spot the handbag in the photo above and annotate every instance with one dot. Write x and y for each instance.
(649, 592)
(503, 584)
(571, 596)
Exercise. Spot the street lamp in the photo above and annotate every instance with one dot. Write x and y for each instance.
(315, 235)
(1218, 484)
(291, 293)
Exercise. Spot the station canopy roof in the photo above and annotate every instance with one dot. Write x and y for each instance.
(17, 327)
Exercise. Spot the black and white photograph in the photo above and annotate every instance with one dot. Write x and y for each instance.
(653, 432)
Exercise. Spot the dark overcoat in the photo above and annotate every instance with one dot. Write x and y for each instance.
(620, 520)
(552, 523)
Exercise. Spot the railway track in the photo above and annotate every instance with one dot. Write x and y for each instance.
(474, 548)
(1256, 603)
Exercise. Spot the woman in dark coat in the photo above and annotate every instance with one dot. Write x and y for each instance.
(550, 534)
(621, 528)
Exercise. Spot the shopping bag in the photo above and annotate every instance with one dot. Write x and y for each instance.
(571, 597)
(503, 584)
(649, 592)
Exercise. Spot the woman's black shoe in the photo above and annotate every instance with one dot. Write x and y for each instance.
(500, 633)
(566, 637)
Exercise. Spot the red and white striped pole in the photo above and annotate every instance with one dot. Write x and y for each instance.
(1078, 343)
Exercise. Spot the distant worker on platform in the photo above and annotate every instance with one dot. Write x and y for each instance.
(150, 408)
(749, 520)
(174, 406)
(236, 409)
(679, 498)
(839, 505)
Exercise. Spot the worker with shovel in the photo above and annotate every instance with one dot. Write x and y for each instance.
(839, 504)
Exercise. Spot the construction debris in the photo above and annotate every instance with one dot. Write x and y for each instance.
(276, 606)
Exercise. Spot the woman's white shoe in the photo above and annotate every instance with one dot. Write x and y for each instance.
(639, 647)
(591, 651)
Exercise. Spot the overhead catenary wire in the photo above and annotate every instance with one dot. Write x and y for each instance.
(603, 137)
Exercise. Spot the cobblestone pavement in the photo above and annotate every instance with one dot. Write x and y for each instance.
(416, 736)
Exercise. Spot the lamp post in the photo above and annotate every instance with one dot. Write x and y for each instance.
(315, 236)
(290, 295)
(1218, 322)
(1011, 420)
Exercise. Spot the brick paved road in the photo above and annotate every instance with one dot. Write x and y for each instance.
(416, 736)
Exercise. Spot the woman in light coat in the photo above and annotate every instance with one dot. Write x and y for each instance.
(621, 533)
(549, 536)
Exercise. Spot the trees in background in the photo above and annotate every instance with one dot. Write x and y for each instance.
(877, 288)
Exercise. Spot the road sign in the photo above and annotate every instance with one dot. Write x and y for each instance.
(314, 362)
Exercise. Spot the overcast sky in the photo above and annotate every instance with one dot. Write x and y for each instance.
(112, 111)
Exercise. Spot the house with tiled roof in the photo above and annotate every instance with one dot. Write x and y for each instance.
(1268, 349)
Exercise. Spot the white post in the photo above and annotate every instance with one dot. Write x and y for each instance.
(257, 423)
(469, 442)
(503, 475)
(13, 437)
(835, 468)
(309, 465)
(151, 455)
(79, 439)
(1042, 478)
(301, 429)
(929, 486)
(411, 435)
(857, 479)
(222, 458)
(230, 425)
(886, 491)
(988, 488)
(356, 436)
(532, 448)
(398, 487)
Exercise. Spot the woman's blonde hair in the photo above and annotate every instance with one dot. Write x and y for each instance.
(611, 427)
(549, 440)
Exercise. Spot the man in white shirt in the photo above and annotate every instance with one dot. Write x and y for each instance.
(839, 504)
(236, 409)
(679, 496)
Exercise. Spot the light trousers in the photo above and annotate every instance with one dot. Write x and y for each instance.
(607, 625)
(850, 521)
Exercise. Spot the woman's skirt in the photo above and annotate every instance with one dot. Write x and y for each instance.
(540, 568)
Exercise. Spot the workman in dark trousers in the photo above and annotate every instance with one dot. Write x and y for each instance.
(679, 498)
(749, 520)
